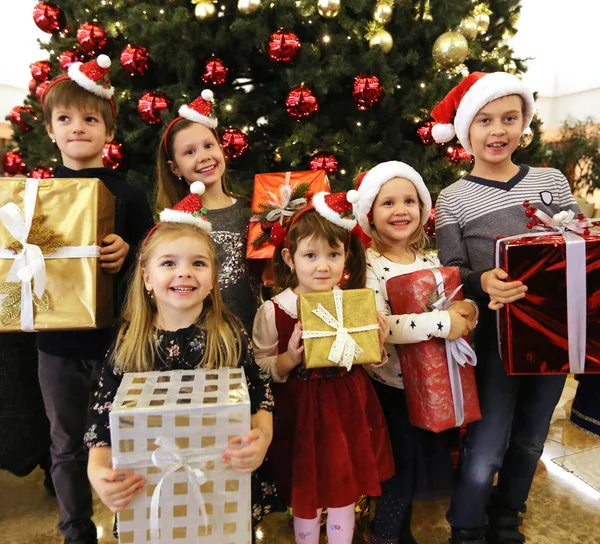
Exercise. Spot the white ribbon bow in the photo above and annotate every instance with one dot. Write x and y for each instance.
(344, 349)
(169, 459)
(284, 207)
(29, 262)
(458, 352)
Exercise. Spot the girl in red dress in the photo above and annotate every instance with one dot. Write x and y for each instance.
(330, 441)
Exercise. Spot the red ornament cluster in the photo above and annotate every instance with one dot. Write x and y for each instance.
(458, 154)
(277, 234)
(151, 105)
(70, 56)
(134, 60)
(430, 224)
(16, 117)
(301, 103)
(41, 172)
(424, 132)
(49, 17)
(41, 89)
(367, 91)
(113, 155)
(324, 161)
(215, 72)
(283, 46)
(234, 142)
(40, 70)
(92, 38)
(13, 163)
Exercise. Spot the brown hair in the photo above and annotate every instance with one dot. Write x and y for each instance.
(311, 224)
(67, 93)
(169, 188)
(136, 348)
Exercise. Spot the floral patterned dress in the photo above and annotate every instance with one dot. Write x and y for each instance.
(182, 350)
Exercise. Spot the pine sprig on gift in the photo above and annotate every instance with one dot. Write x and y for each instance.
(11, 305)
(264, 238)
(46, 239)
(299, 191)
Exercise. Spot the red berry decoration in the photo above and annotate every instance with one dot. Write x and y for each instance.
(134, 60)
(526, 203)
(530, 225)
(458, 154)
(367, 91)
(234, 142)
(430, 224)
(41, 89)
(277, 234)
(283, 46)
(324, 161)
(69, 57)
(266, 227)
(151, 105)
(301, 102)
(41, 172)
(92, 38)
(13, 163)
(215, 72)
(586, 232)
(113, 155)
(424, 133)
(49, 17)
(581, 217)
(40, 70)
(20, 114)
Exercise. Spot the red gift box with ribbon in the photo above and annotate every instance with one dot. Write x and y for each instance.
(554, 329)
(439, 378)
(277, 196)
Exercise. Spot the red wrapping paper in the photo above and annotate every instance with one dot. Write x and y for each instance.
(532, 332)
(424, 365)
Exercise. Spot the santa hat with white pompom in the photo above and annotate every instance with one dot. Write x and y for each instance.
(189, 209)
(336, 208)
(200, 110)
(93, 76)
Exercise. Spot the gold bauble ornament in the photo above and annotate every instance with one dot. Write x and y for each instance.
(483, 22)
(510, 67)
(248, 7)
(204, 9)
(526, 138)
(450, 49)
(328, 8)
(468, 28)
(305, 7)
(383, 12)
(383, 39)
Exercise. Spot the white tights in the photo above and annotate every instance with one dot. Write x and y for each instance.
(340, 526)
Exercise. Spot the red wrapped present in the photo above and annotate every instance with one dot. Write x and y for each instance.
(277, 196)
(439, 378)
(554, 329)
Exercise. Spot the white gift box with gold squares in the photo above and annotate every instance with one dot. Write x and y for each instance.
(172, 428)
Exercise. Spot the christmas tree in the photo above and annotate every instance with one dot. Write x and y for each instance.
(298, 84)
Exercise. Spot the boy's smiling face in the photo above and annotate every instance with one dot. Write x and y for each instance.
(496, 130)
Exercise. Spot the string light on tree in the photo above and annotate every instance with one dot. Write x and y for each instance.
(328, 8)
(248, 7)
(450, 49)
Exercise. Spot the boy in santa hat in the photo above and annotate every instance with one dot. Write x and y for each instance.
(489, 112)
(79, 114)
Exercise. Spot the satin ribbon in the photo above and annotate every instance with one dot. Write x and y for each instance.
(284, 207)
(458, 352)
(344, 349)
(30, 261)
(169, 459)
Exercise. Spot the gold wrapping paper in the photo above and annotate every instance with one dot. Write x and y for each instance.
(358, 310)
(81, 212)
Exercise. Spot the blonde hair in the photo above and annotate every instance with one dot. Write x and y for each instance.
(136, 348)
(311, 224)
(67, 93)
(169, 188)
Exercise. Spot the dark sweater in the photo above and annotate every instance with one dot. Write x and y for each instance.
(133, 219)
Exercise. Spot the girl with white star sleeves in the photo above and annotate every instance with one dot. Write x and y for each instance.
(393, 207)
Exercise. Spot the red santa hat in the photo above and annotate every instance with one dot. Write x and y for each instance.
(93, 76)
(336, 208)
(189, 209)
(369, 183)
(200, 110)
(464, 101)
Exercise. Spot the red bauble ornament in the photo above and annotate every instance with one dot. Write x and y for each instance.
(430, 224)
(49, 17)
(424, 133)
(283, 46)
(367, 91)
(41, 172)
(458, 154)
(215, 72)
(151, 106)
(301, 102)
(134, 60)
(324, 161)
(33, 86)
(16, 117)
(234, 142)
(40, 70)
(113, 155)
(69, 57)
(13, 163)
(41, 89)
(91, 38)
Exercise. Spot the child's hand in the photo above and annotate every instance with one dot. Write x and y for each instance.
(295, 348)
(115, 489)
(467, 310)
(459, 325)
(501, 292)
(249, 457)
(113, 253)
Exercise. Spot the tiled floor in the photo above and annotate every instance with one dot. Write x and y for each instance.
(562, 508)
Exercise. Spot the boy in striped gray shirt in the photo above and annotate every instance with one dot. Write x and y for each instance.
(491, 112)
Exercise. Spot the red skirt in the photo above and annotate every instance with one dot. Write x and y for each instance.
(330, 442)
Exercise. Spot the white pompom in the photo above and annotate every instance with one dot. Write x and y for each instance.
(103, 61)
(207, 94)
(443, 132)
(353, 196)
(197, 188)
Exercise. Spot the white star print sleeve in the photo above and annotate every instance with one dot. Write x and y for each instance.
(266, 341)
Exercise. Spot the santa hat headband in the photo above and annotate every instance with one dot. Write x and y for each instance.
(93, 76)
(369, 184)
(198, 111)
(466, 99)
